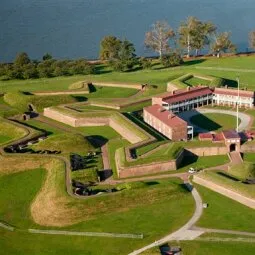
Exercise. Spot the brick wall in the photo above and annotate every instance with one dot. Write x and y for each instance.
(206, 151)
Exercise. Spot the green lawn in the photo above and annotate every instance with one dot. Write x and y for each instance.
(10, 132)
(103, 131)
(225, 213)
(209, 247)
(194, 81)
(66, 143)
(250, 157)
(17, 192)
(163, 214)
(214, 121)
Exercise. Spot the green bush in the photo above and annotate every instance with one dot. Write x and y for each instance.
(173, 59)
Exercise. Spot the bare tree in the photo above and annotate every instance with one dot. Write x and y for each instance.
(222, 43)
(252, 39)
(158, 38)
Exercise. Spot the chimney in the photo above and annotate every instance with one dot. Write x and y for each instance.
(170, 115)
(188, 88)
(226, 86)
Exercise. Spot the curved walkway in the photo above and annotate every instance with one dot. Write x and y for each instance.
(185, 232)
(245, 119)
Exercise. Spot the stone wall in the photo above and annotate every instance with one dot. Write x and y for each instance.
(88, 122)
(153, 168)
(206, 151)
(225, 192)
(124, 132)
(118, 85)
(61, 117)
(249, 147)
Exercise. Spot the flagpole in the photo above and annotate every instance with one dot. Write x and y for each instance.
(237, 104)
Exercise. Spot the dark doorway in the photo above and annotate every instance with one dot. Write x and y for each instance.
(232, 147)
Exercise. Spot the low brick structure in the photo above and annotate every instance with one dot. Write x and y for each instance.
(165, 122)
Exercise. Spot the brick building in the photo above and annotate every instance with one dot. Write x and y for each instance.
(165, 122)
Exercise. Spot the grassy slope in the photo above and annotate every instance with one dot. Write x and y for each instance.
(164, 213)
(10, 132)
(235, 185)
(17, 192)
(224, 213)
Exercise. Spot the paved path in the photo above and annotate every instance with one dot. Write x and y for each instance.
(244, 118)
(225, 231)
(185, 232)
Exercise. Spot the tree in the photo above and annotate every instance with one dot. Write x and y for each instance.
(30, 71)
(252, 39)
(46, 56)
(109, 47)
(45, 68)
(125, 58)
(158, 38)
(145, 63)
(222, 43)
(194, 34)
(22, 59)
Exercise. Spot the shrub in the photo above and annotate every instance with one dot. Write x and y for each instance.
(173, 59)
(145, 63)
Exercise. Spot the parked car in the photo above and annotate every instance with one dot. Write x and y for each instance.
(192, 170)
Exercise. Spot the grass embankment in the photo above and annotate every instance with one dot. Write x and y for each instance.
(195, 81)
(225, 213)
(66, 143)
(230, 182)
(154, 208)
(214, 121)
(10, 132)
(164, 153)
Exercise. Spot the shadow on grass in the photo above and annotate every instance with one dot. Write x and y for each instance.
(230, 83)
(232, 178)
(97, 140)
(188, 160)
(100, 69)
(204, 122)
(193, 62)
(80, 98)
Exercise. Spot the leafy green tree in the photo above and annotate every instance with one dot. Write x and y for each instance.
(109, 47)
(195, 34)
(22, 59)
(81, 66)
(45, 68)
(172, 59)
(158, 38)
(252, 39)
(126, 58)
(222, 43)
(145, 63)
(47, 56)
(30, 71)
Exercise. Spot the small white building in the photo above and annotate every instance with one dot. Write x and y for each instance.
(229, 97)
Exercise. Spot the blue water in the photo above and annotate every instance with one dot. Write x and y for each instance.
(73, 28)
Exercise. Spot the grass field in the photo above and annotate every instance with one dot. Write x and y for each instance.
(214, 121)
(10, 132)
(194, 81)
(161, 213)
(225, 213)
(210, 248)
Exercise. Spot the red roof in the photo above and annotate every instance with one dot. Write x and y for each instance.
(230, 134)
(205, 136)
(218, 137)
(233, 92)
(182, 95)
(165, 116)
